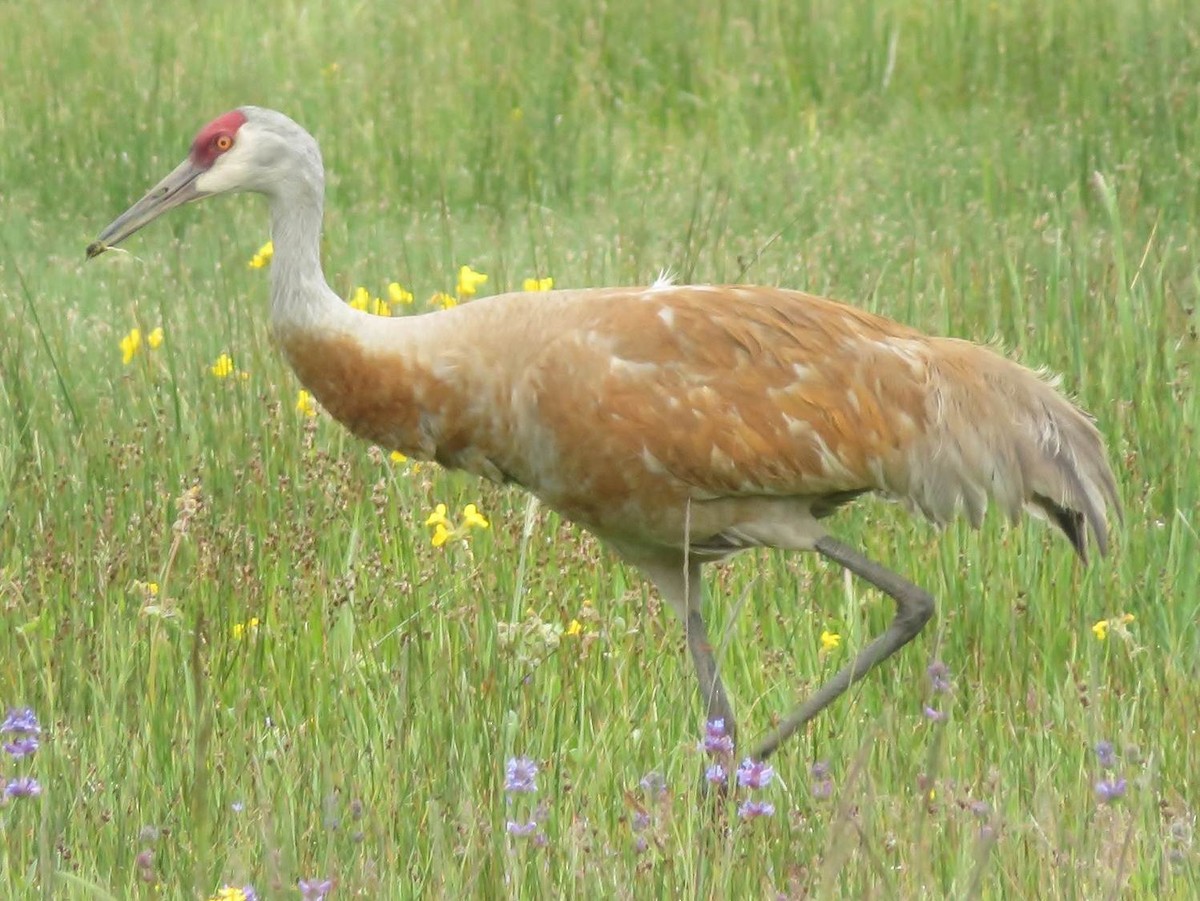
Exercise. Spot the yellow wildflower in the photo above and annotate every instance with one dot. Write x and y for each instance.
(361, 299)
(397, 295)
(575, 627)
(155, 338)
(331, 70)
(304, 403)
(130, 344)
(229, 893)
(1118, 623)
(397, 457)
(830, 640)
(438, 516)
(223, 368)
(242, 629)
(263, 257)
(469, 281)
(538, 284)
(443, 300)
(472, 518)
(152, 588)
(441, 535)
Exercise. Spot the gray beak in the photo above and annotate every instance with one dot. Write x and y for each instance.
(175, 190)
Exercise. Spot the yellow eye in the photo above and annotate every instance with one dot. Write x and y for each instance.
(224, 142)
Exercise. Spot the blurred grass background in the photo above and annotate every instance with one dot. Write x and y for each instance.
(1022, 172)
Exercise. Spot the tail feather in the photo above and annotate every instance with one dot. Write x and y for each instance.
(1005, 434)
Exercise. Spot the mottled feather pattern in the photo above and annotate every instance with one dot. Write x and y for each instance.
(728, 414)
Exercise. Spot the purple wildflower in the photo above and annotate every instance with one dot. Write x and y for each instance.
(1105, 754)
(1110, 790)
(640, 821)
(22, 721)
(521, 830)
(22, 747)
(250, 893)
(716, 742)
(520, 775)
(237, 806)
(822, 784)
(939, 677)
(23, 787)
(653, 784)
(934, 715)
(755, 774)
(312, 890)
(145, 859)
(981, 809)
(716, 774)
(752, 809)
(640, 844)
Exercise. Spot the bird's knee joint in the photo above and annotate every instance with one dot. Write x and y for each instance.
(918, 611)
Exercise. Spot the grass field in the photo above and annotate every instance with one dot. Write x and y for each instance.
(251, 665)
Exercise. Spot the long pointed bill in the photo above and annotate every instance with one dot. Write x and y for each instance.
(175, 190)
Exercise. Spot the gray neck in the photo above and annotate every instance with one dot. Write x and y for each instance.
(300, 296)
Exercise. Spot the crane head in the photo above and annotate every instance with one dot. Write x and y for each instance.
(239, 151)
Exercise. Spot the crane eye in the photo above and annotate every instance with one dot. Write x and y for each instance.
(224, 142)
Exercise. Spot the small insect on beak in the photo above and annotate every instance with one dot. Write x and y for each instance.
(175, 190)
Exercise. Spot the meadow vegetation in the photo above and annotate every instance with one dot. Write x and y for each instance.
(249, 660)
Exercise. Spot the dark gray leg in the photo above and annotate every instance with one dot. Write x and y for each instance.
(914, 607)
(678, 582)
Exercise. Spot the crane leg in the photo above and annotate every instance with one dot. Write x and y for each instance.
(914, 607)
(680, 586)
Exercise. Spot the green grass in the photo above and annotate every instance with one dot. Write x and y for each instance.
(1027, 172)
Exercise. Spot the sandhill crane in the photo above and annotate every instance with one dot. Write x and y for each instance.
(678, 424)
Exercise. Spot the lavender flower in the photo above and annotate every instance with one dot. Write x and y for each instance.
(822, 784)
(939, 677)
(752, 809)
(716, 742)
(653, 784)
(521, 830)
(716, 774)
(934, 715)
(23, 787)
(22, 747)
(640, 821)
(1110, 790)
(520, 775)
(981, 809)
(249, 894)
(312, 890)
(755, 774)
(22, 721)
(1105, 754)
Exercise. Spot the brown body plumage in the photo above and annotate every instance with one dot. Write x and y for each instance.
(732, 415)
(680, 424)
